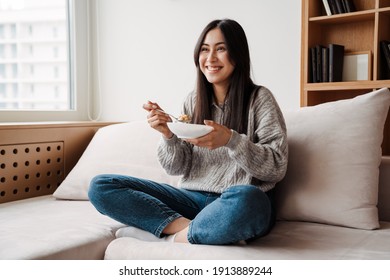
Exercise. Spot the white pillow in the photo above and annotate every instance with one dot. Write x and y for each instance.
(127, 149)
(334, 157)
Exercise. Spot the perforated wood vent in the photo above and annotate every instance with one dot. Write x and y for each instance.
(28, 170)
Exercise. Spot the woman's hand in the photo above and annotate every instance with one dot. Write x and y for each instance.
(158, 120)
(218, 137)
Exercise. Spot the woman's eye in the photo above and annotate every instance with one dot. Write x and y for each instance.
(220, 49)
(204, 49)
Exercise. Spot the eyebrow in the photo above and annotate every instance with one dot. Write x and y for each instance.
(219, 43)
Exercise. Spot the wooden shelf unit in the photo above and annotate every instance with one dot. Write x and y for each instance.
(357, 31)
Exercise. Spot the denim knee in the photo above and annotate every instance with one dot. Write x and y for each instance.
(242, 212)
(254, 206)
(98, 188)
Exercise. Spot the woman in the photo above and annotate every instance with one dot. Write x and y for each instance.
(228, 175)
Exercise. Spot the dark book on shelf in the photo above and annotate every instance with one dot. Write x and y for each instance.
(386, 51)
(388, 46)
(333, 7)
(325, 64)
(313, 65)
(349, 6)
(344, 7)
(385, 61)
(336, 62)
(319, 62)
(339, 6)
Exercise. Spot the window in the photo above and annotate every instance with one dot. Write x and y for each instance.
(28, 62)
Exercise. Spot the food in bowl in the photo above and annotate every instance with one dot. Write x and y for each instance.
(184, 118)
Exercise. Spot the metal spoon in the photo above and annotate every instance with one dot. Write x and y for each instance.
(172, 116)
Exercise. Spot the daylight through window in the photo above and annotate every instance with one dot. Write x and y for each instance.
(35, 55)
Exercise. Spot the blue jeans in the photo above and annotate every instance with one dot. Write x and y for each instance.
(242, 212)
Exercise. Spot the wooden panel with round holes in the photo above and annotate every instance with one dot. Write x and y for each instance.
(29, 170)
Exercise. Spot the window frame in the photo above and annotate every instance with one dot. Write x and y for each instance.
(78, 78)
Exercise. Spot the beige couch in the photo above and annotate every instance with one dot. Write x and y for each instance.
(288, 240)
(329, 203)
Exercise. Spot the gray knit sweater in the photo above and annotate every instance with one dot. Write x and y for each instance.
(258, 158)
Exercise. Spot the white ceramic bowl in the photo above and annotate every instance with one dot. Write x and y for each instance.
(188, 130)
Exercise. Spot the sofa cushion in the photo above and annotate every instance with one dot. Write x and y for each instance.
(126, 148)
(288, 240)
(46, 228)
(334, 157)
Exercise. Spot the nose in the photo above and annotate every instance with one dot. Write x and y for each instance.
(212, 56)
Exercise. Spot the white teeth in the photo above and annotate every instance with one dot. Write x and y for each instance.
(213, 68)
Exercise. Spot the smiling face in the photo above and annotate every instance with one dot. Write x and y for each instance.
(214, 60)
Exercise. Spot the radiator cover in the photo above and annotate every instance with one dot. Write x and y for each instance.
(29, 170)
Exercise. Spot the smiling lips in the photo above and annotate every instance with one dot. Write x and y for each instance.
(213, 69)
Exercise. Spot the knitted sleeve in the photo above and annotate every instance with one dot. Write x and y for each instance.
(263, 152)
(174, 154)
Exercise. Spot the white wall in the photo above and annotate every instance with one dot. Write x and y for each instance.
(146, 50)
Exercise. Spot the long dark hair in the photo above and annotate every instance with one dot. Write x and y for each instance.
(241, 85)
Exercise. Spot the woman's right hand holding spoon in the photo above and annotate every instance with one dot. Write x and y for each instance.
(158, 119)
